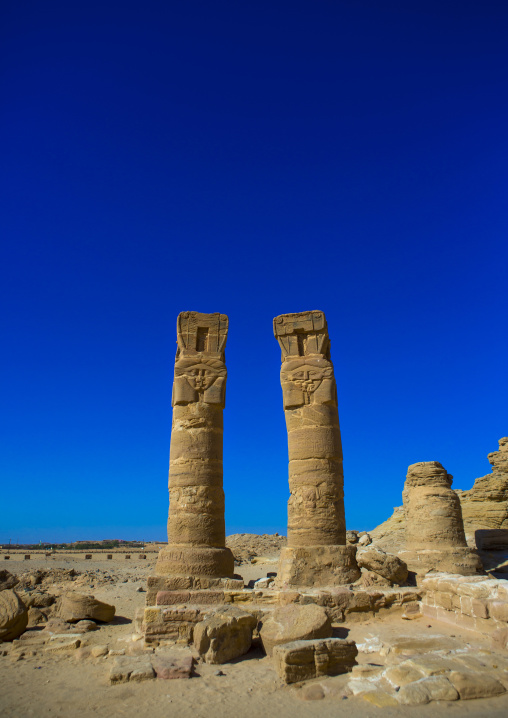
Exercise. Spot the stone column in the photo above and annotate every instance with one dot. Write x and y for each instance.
(196, 528)
(316, 553)
(434, 527)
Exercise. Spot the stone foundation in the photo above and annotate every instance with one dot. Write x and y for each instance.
(474, 603)
(456, 559)
(195, 561)
(174, 613)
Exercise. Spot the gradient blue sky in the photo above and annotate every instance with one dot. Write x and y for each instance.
(251, 158)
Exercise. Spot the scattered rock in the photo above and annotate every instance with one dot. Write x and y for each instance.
(303, 660)
(387, 565)
(76, 606)
(173, 666)
(225, 635)
(63, 646)
(35, 617)
(364, 539)
(138, 668)
(294, 623)
(399, 676)
(38, 599)
(85, 626)
(57, 625)
(13, 615)
(7, 580)
(370, 578)
(352, 536)
(99, 651)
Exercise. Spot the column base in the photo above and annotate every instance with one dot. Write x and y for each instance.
(317, 566)
(455, 559)
(195, 561)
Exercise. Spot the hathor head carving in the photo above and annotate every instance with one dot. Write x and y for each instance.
(307, 380)
(199, 377)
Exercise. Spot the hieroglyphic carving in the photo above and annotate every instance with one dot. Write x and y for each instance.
(316, 504)
(196, 510)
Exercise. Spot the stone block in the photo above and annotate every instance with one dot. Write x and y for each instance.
(318, 566)
(76, 606)
(444, 600)
(499, 610)
(294, 623)
(133, 668)
(469, 684)
(476, 589)
(171, 598)
(303, 660)
(427, 690)
(224, 635)
(479, 608)
(173, 666)
(500, 638)
(402, 674)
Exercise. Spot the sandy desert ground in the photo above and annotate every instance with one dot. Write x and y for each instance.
(72, 684)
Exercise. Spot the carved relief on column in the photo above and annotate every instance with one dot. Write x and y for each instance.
(316, 553)
(196, 528)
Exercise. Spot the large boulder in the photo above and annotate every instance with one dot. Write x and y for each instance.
(294, 623)
(13, 615)
(76, 607)
(7, 580)
(225, 635)
(386, 565)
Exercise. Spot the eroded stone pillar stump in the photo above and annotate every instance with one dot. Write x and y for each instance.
(196, 556)
(316, 553)
(434, 528)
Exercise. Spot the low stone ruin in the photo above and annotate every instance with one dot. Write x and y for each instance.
(434, 529)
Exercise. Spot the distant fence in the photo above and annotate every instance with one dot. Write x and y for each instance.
(109, 553)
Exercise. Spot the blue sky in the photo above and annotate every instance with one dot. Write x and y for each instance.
(250, 158)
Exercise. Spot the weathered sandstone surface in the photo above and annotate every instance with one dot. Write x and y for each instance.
(76, 607)
(196, 528)
(386, 565)
(316, 552)
(13, 615)
(484, 511)
(434, 529)
(303, 660)
(225, 635)
(294, 623)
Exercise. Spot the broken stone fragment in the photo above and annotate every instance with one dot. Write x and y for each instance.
(13, 615)
(294, 623)
(390, 567)
(7, 580)
(173, 666)
(76, 607)
(303, 660)
(225, 635)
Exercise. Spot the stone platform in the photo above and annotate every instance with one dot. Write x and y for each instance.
(176, 610)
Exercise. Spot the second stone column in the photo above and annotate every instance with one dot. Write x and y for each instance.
(316, 553)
